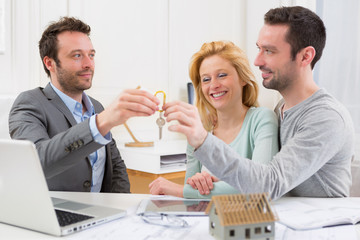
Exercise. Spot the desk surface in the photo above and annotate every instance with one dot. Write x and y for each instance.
(114, 230)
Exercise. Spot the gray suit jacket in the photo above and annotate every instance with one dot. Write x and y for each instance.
(39, 115)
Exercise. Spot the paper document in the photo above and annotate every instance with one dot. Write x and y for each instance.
(173, 160)
(133, 227)
(347, 232)
(312, 213)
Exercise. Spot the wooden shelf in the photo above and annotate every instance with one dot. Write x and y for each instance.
(139, 181)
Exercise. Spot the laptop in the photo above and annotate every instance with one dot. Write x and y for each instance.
(25, 199)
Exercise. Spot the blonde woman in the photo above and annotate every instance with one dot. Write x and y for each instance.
(226, 103)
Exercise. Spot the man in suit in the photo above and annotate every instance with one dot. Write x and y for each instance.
(71, 130)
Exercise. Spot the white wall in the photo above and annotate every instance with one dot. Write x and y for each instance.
(138, 42)
(5, 56)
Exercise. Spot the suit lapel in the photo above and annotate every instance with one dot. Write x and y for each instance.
(59, 104)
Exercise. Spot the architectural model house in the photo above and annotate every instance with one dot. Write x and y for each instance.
(241, 216)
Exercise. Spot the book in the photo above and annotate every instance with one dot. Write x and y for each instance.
(312, 213)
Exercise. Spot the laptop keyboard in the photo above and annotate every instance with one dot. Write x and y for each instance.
(67, 218)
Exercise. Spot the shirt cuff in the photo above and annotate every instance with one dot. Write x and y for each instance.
(96, 134)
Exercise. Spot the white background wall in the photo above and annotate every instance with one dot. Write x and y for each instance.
(138, 42)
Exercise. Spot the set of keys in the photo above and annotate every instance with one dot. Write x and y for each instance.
(161, 121)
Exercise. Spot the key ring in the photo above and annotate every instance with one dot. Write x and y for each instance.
(164, 98)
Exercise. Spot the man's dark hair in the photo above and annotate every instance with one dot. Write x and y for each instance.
(48, 44)
(305, 29)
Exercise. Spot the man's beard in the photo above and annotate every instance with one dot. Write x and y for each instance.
(69, 81)
(278, 83)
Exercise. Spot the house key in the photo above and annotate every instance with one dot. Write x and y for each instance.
(160, 122)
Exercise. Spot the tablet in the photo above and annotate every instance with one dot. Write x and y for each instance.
(179, 207)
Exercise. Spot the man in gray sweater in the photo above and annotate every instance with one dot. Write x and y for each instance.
(316, 131)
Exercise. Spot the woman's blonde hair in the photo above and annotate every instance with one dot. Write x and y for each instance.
(238, 59)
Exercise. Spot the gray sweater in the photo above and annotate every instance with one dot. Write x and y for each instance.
(317, 145)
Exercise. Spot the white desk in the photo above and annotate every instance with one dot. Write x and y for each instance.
(113, 229)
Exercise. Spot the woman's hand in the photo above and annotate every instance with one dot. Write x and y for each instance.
(161, 186)
(203, 182)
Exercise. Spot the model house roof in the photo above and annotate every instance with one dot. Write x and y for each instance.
(242, 209)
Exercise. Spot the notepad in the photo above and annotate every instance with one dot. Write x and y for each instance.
(312, 213)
